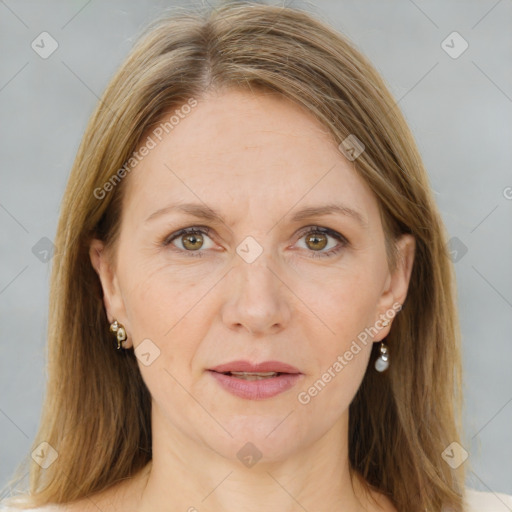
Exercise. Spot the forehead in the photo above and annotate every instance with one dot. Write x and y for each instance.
(246, 150)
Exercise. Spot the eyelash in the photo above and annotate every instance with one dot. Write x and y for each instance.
(312, 229)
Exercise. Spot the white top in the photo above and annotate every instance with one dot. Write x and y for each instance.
(487, 501)
(476, 502)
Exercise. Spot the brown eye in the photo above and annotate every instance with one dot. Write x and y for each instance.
(316, 241)
(192, 241)
(322, 242)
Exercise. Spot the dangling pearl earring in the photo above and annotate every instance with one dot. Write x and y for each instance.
(382, 362)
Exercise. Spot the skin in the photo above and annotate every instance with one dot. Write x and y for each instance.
(256, 159)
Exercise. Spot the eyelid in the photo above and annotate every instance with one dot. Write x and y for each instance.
(184, 231)
(320, 229)
(343, 241)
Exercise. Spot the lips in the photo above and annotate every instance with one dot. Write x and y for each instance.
(256, 381)
(262, 368)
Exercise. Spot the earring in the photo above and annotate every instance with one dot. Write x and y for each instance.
(120, 332)
(382, 362)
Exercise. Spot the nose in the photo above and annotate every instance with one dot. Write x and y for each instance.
(257, 300)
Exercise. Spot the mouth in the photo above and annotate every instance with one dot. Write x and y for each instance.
(245, 381)
(253, 375)
(265, 369)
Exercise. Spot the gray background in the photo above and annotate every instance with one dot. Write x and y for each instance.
(457, 108)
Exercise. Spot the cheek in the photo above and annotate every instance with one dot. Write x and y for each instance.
(160, 308)
(344, 301)
(339, 362)
(165, 310)
(327, 393)
(340, 345)
(158, 296)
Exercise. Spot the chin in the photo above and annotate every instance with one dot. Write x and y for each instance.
(255, 439)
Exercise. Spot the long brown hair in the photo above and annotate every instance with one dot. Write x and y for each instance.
(96, 413)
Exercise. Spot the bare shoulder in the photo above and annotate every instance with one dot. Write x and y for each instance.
(13, 507)
(106, 501)
(121, 496)
(54, 507)
(87, 504)
(111, 500)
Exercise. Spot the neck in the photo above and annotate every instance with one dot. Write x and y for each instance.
(187, 475)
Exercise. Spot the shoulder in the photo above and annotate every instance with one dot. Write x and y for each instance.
(487, 501)
(22, 505)
(121, 496)
(46, 508)
(83, 505)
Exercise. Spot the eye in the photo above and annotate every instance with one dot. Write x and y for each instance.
(316, 239)
(190, 240)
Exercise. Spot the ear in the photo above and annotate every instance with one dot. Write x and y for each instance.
(112, 298)
(397, 284)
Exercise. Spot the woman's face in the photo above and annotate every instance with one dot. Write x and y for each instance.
(264, 279)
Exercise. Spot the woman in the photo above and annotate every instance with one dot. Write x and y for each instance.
(252, 306)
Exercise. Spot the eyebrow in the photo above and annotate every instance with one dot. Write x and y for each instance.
(205, 213)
